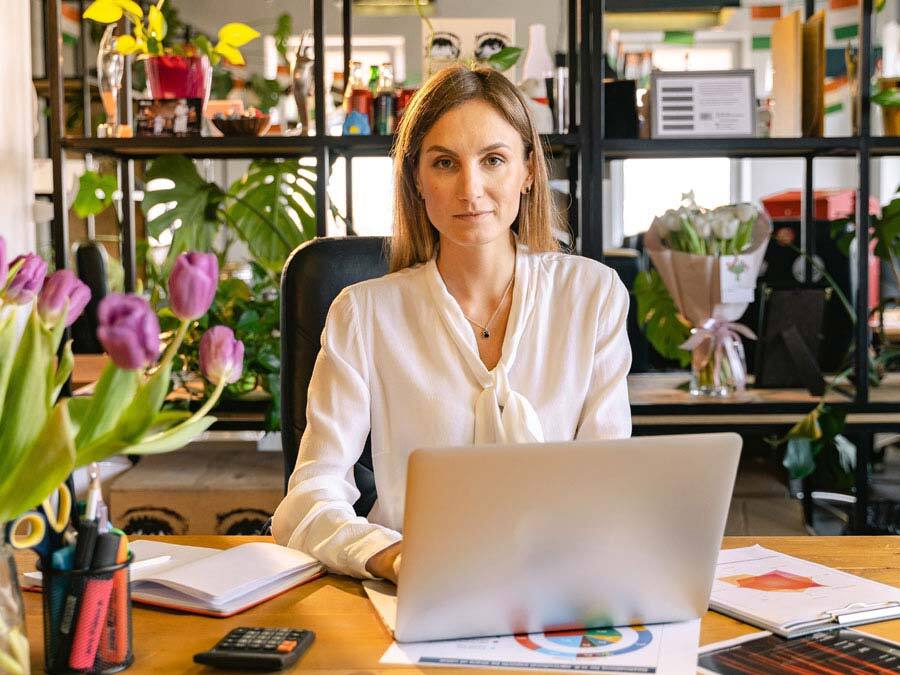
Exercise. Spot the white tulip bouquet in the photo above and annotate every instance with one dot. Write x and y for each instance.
(709, 260)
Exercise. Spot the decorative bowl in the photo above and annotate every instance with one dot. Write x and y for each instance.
(242, 126)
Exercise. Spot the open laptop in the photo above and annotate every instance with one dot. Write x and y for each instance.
(506, 539)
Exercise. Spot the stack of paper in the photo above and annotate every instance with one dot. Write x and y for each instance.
(793, 597)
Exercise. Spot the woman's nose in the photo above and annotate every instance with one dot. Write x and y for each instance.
(471, 184)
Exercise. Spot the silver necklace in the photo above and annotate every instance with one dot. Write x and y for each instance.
(485, 329)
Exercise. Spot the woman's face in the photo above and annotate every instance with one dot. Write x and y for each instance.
(472, 172)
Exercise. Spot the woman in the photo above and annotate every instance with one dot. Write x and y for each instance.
(484, 332)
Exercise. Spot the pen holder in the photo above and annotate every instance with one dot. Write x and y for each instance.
(87, 619)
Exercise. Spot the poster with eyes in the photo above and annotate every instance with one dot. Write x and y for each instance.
(461, 40)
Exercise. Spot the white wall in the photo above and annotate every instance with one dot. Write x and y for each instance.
(16, 124)
(208, 15)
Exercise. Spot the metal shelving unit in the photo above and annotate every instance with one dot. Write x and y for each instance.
(584, 147)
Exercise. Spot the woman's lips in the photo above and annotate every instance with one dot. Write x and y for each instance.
(472, 216)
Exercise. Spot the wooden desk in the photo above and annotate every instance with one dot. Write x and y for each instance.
(351, 638)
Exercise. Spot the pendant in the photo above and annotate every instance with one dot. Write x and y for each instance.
(485, 334)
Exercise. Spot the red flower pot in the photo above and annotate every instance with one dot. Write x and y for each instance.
(174, 76)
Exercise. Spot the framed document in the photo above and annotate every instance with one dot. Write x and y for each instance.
(703, 104)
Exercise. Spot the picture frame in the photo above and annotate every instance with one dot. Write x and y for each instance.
(160, 118)
(703, 104)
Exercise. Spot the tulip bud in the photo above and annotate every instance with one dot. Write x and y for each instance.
(745, 212)
(4, 263)
(60, 288)
(221, 356)
(28, 280)
(192, 284)
(128, 331)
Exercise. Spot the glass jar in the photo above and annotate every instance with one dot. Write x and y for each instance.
(14, 654)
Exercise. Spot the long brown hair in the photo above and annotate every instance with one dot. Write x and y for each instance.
(415, 239)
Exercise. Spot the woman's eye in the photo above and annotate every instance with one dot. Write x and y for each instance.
(443, 163)
(494, 160)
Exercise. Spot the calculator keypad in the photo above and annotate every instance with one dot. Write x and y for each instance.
(277, 640)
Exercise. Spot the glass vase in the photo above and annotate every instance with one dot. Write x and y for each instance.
(177, 76)
(14, 655)
(110, 68)
(711, 372)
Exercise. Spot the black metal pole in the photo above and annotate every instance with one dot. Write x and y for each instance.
(126, 179)
(861, 508)
(591, 161)
(347, 40)
(322, 158)
(808, 219)
(83, 38)
(862, 206)
(574, 156)
(54, 67)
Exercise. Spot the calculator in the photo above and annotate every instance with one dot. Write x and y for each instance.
(250, 648)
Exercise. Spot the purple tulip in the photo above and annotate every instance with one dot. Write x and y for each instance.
(60, 288)
(192, 284)
(28, 280)
(221, 356)
(129, 330)
(4, 263)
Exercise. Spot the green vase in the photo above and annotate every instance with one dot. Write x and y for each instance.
(14, 655)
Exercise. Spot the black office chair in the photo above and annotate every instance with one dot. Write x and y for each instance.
(313, 276)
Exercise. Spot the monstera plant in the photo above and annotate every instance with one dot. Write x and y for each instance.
(271, 210)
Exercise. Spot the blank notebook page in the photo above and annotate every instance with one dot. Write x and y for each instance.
(231, 573)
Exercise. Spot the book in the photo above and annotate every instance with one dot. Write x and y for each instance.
(211, 581)
(792, 597)
(798, 80)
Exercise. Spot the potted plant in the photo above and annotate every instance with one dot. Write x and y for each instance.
(888, 97)
(44, 434)
(173, 71)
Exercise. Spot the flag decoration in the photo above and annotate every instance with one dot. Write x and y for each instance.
(70, 24)
(761, 19)
(843, 19)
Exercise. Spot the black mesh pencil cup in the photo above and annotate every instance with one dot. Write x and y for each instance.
(87, 619)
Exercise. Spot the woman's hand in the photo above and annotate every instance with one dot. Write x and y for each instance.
(385, 563)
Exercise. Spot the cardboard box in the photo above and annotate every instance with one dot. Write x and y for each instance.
(198, 492)
(829, 205)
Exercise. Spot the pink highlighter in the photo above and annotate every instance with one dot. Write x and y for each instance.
(94, 604)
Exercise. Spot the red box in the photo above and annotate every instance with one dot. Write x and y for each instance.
(830, 205)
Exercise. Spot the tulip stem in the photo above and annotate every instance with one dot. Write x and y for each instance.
(205, 408)
(175, 344)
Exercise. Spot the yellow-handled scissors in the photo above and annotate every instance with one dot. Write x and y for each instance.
(43, 529)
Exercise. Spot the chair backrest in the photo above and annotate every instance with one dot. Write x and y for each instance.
(313, 277)
(91, 263)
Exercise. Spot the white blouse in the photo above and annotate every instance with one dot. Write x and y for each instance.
(399, 359)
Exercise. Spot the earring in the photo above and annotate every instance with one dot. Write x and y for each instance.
(527, 190)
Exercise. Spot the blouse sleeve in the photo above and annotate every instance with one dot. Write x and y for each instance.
(317, 516)
(607, 412)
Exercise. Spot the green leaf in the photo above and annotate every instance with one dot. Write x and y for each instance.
(658, 316)
(202, 43)
(273, 209)
(283, 30)
(505, 59)
(25, 407)
(798, 458)
(222, 82)
(887, 97)
(79, 406)
(7, 355)
(42, 467)
(188, 206)
(268, 92)
(138, 417)
(95, 193)
(114, 390)
(63, 370)
(176, 440)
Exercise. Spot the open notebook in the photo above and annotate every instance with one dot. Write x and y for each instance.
(212, 581)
